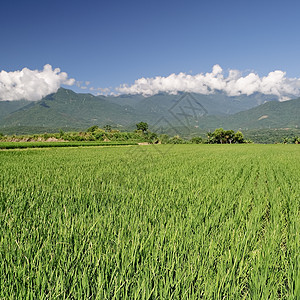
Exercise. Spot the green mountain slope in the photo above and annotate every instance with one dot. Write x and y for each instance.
(181, 113)
(7, 107)
(271, 114)
(214, 104)
(68, 109)
(268, 115)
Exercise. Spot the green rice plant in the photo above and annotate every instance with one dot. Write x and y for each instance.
(23, 145)
(200, 221)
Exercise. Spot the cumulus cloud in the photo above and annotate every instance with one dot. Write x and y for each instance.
(103, 91)
(32, 84)
(233, 84)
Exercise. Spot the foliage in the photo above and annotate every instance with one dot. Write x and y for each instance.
(176, 140)
(196, 140)
(142, 126)
(271, 136)
(200, 222)
(152, 137)
(292, 140)
(221, 136)
(107, 128)
(23, 145)
(296, 140)
(61, 133)
(92, 128)
(164, 138)
(285, 140)
(239, 137)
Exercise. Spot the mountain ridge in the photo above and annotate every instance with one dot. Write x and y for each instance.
(68, 110)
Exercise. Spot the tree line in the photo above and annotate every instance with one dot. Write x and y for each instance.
(219, 136)
(141, 134)
(293, 140)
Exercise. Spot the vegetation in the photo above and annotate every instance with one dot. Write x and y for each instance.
(93, 133)
(196, 140)
(93, 128)
(76, 112)
(200, 222)
(221, 136)
(270, 136)
(143, 126)
(271, 114)
(296, 140)
(22, 145)
(293, 140)
(107, 128)
(144, 135)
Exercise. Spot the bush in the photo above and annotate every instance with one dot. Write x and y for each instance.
(176, 140)
(92, 128)
(196, 140)
(164, 138)
(100, 136)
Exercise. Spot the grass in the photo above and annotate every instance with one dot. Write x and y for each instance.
(23, 145)
(196, 221)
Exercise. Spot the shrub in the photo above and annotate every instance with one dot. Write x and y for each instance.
(196, 140)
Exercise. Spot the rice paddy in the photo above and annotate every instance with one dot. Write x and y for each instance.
(140, 222)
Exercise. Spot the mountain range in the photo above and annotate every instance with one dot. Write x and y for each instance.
(68, 110)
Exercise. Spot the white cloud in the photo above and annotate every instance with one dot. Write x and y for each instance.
(78, 83)
(35, 84)
(32, 84)
(234, 84)
(103, 91)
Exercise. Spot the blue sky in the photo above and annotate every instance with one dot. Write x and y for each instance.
(113, 42)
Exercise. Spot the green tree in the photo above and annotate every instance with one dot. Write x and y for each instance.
(219, 136)
(164, 138)
(107, 128)
(196, 140)
(210, 138)
(176, 140)
(229, 136)
(61, 133)
(296, 140)
(92, 128)
(239, 138)
(142, 126)
(286, 140)
(152, 137)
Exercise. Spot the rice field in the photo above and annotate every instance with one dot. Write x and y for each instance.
(24, 145)
(150, 222)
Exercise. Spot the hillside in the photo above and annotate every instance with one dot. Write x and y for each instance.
(268, 115)
(177, 114)
(272, 114)
(68, 109)
(164, 104)
(7, 107)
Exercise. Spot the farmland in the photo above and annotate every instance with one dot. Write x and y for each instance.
(150, 222)
(23, 145)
